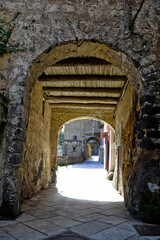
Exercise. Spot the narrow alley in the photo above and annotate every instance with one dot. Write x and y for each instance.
(82, 205)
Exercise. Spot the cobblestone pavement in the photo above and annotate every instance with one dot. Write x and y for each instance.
(82, 201)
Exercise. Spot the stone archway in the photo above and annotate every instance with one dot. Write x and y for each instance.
(112, 72)
(48, 111)
(71, 97)
(87, 155)
(55, 130)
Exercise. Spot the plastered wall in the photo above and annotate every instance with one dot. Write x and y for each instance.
(35, 172)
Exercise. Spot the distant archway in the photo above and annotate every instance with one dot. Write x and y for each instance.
(88, 151)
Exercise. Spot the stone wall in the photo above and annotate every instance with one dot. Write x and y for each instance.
(3, 118)
(83, 130)
(95, 28)
(73, 149)
(35, 171)
(66, 160)
(124, 121)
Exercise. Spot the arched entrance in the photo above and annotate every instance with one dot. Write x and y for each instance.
(81, 83)
(92, 147)
(72, 81)
(78, 139)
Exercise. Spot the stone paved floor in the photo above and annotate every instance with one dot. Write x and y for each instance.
(82, 202)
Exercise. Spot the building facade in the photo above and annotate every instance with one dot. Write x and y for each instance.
(81, 141)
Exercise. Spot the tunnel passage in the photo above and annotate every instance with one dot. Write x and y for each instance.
(92, 147)
(83, 84)
(71, 82)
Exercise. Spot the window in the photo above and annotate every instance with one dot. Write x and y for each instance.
(74, 137)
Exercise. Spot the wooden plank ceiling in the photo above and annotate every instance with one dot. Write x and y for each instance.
(83, 83)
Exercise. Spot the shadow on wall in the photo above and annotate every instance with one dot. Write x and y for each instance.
(3, 118)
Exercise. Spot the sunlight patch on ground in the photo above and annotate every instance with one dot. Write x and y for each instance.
(86, 181)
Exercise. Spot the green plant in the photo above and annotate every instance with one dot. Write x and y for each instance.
(149, 208)
(60, 137)
(6, 29)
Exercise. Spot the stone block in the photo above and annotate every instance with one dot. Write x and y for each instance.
(152, 77)
(146, 61)
(157, 145)
(148, 70)
(17, 147)
(150, 110)
(19, 135)
(147, 98)
(141, 134)
(153, 134)
(149, 122)
(16, 159)
(147, 143)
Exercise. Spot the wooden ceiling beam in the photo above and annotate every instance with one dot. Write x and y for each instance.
(84, 70)
(82, 105)
(83, 111)
(83, 90)
(103, 100)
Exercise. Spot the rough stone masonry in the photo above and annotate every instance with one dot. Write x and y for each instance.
(49, 32)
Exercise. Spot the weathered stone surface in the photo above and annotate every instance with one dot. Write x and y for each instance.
(124, 138)
(150, 110)
(149, 122)
(16, 159)
(153, 134)
(91, 29)
(66, 160)
(147, 143)
(35, 171)
(83, 130)
(148, 98)
(138, 185)
(3, 119)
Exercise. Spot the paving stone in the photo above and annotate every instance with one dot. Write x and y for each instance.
(124, 214)
(127, 226)
(107, 206)
(26, 207)
(67, 214)
(83, 206)
(112, 219)
(4, 223)
(90, 228)
(45, 227)
(113, 234)
(24, 217)
(45, 208)
(111, 212)
(89, 217)
(48, 203)
(41, 214)
(5, 236)
(63, 221)
(33, 203)
(86, 211)
(22, 232)
(52, 214)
